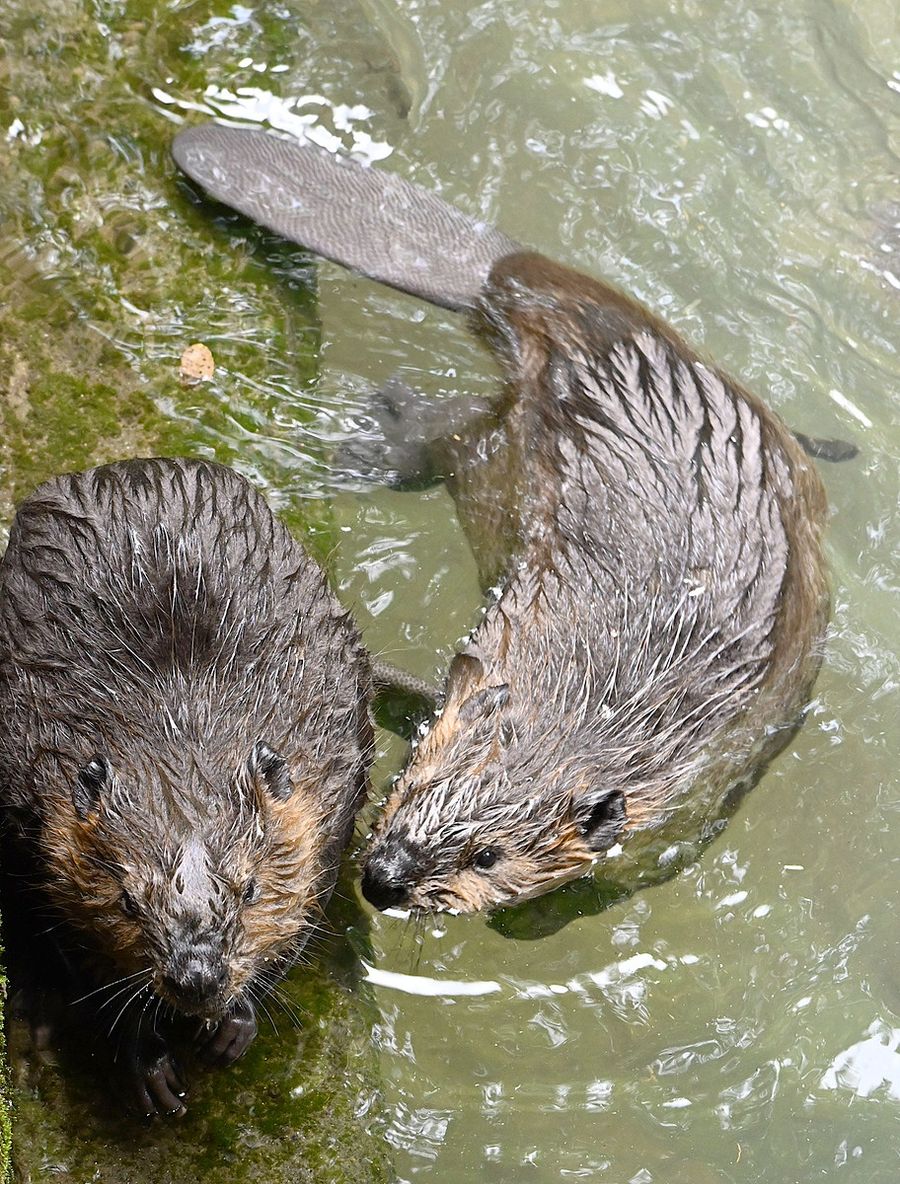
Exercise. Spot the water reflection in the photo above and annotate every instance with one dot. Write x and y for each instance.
(870, 1066)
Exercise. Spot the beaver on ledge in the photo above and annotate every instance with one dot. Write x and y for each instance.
(186, 739)
(652, 529)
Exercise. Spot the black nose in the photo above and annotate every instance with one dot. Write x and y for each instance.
(390, 872)
(195, 982)
(383, 893)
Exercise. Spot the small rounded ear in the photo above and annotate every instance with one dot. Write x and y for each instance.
(484, 702)
(600, 816)
(272, 769)
(90, 780)
(466, 667)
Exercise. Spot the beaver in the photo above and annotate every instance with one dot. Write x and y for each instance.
(651, 533)
(186, 742)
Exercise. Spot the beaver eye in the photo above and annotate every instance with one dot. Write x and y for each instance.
(128, 905)
(86, 788)
(95, 771)
(251, 892)
(485, 858)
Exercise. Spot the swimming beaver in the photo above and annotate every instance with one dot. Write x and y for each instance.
(654, 532)
(186, 740)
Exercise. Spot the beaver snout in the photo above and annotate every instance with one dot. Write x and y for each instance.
(195, 985)
(390, 873)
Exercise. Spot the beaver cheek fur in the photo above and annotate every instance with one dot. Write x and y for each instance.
(512, 880)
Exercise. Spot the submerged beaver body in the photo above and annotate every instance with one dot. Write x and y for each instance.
(186, 740)
(651, 532)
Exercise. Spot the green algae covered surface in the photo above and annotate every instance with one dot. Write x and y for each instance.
(108, 268)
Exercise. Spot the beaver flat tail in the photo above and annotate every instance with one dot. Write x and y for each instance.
(372, 222)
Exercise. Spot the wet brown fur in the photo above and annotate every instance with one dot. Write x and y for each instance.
(155, 613)
(576, 497)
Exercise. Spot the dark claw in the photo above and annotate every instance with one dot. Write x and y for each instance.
(156, 1083)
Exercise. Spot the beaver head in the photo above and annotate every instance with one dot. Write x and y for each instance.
(199, 876)
(498, 805)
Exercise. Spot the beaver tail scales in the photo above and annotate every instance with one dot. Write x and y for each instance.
(373, 222)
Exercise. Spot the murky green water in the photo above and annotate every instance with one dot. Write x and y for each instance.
(735, 166)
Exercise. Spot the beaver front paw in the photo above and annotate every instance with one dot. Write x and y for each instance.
(230, 1039)
(154, 1080)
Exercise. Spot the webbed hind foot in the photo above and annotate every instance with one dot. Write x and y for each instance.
(402, 436)
(819, 448)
